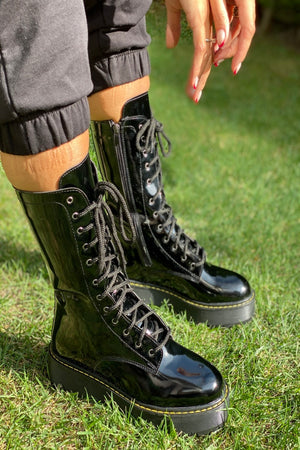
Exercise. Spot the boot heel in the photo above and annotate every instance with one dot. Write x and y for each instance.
(69, 378)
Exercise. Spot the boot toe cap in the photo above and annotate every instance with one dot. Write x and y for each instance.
(225, 283)
(189, 378)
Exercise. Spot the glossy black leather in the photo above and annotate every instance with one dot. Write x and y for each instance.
(154, 259)
(176, 377)
(85, 333)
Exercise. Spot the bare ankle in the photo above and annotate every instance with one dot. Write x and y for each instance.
(42, 171)
(108, 104)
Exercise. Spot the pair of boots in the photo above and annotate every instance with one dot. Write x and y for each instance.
(106, 339)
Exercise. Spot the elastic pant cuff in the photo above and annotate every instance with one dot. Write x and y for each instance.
(45, 130)
(120, 68)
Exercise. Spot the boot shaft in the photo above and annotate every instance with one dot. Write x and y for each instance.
(165, 263)
(75, 229)
(58, 230)
(128, 156)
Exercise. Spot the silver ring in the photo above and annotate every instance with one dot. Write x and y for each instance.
(211, 40)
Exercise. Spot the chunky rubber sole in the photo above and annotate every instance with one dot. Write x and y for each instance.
(218, 314)
(190, 420)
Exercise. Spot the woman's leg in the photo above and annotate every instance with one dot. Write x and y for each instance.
(108, 103)
(42, 171)
(119, 59)
(44, 114)
(105, 340)
(165, 263)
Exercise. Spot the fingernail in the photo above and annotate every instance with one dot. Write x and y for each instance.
(197, 98)
(218, 62)
(196, 81)
(221, 38)
(237, 68)
(190, 92)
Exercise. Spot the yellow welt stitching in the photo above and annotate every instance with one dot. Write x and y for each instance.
(192, 303)
(137, 404)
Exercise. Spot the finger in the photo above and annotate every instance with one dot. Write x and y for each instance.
(173, 27)
(228, 51)
(221, 21)
(244, 42)
(200, 23)
(200, 73)
(202, 58)
(203, 79)
(201, 54)
(246, 11)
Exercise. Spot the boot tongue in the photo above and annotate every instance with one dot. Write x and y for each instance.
(137, 106)
(81, 176)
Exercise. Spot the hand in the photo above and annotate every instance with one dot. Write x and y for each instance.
(234, 31)
(199, 19)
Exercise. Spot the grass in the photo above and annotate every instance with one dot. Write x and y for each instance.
(233, 181)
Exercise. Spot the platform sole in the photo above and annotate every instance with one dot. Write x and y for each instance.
(219, 314)
(190, 420)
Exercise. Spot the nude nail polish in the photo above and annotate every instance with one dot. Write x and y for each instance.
(221, 38)
(237, 68)
(196, 81)
(197, 98)
(216, 64)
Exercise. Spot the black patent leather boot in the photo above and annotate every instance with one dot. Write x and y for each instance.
(165, 263)
(105, 339)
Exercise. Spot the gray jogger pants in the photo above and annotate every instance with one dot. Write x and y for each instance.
(53, 54)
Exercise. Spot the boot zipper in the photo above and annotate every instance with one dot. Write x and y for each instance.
(126, 186)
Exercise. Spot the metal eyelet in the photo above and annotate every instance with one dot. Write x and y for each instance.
(89, 262)
(138, 345)
(147, 166)
(80, 230)
(95, 282)
(192, 266)
(165, 240)
(75, 215)
(70, 200)
(85, 247)
(106, 309)
(126, 332)
(183, 258)
(145, 154)
(155, 215)
(148, 181)
(151, 201)
(174, 248)
(114, 321)
(151, 352)
(159, 228)
(98, 297)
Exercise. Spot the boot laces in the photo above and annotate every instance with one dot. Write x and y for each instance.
(150, 137)
(112, 265)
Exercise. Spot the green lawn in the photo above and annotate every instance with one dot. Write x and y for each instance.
(233, 182)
